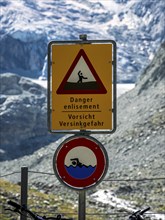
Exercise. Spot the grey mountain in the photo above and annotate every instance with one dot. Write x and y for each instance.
(28, 26)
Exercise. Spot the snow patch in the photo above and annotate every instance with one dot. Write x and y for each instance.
(109, 198)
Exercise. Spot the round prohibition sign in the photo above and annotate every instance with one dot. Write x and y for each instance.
(80, 162)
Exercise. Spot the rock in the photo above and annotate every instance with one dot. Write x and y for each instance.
(23, 116)
(154, 74)
(25, 58)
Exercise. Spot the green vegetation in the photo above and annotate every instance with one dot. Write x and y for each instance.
(41, 203)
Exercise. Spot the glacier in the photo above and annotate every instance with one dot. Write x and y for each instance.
(27, 26)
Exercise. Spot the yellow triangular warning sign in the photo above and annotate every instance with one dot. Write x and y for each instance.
(81, 78)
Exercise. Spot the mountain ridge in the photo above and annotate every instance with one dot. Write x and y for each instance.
(136, 26)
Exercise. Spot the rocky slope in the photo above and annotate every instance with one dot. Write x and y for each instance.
(136, 149)
(140, 138)
(23, 111)
(137, 146)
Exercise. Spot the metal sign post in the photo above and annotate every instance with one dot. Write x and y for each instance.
(24, 189)
(82, 205)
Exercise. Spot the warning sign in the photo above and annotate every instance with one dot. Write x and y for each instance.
(81, 78)
(81, 87)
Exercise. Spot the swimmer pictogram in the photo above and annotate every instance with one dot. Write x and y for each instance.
(79, 170)
(76, 162)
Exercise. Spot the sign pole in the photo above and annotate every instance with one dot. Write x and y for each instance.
(73, 107)
(82, 205)
(24, 189)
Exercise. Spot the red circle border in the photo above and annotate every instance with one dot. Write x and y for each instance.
(68, 145)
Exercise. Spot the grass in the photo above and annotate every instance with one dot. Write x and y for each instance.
(41, 203)
(51, 205)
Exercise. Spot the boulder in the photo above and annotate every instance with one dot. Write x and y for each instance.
(23, 107)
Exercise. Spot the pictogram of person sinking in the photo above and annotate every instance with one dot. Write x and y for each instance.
(81, 77)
